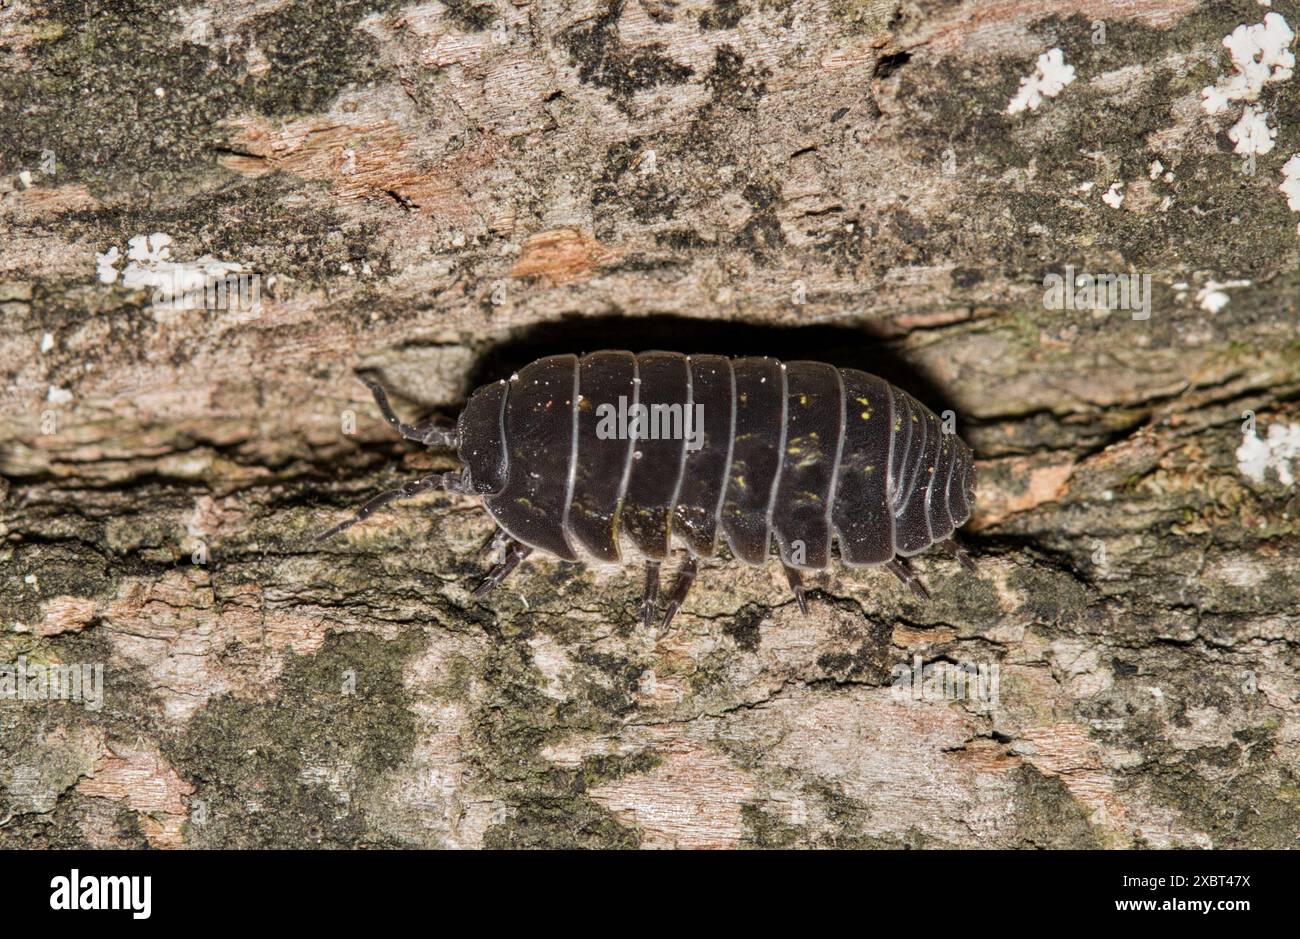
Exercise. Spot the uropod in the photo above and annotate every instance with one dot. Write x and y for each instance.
(613, 457)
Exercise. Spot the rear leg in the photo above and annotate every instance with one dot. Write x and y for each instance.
(452, 482)
(681, 587)
(901, 569)
(650, 603)
(498, 539)
(959, 553)
(516, 551)
(795, 579)
(426, 433)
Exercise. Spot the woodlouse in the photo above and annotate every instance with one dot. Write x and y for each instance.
(579, 457)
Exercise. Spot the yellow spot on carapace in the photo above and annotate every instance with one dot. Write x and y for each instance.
(803, 400)
(866, 415)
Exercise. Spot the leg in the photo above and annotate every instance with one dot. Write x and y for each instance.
(681, 587)
(959, 553)
(425, 433)
(903, 571)
(448, 481)
(795, 580)
(516, 551)
(651, 601)
(498, 539)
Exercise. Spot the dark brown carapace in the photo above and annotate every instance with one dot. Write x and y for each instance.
(584, 458)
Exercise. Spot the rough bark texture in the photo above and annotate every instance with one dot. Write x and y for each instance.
(439, 192)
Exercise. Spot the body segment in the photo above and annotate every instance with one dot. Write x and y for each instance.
(602, 467)
(756, 457)
(801, 518)
(699, 501)
(538, 429)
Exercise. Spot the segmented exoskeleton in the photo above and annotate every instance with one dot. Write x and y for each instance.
(583, 457)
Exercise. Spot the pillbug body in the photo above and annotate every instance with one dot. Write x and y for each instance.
(614, 455)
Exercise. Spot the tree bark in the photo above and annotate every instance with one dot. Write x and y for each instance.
(438, 193)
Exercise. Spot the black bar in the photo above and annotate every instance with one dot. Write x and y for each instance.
(332, 889)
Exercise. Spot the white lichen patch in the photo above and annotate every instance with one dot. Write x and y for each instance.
(1051, 75)
(1114, 196)
(1260, 54)
(57, 395)
(106, 265)
(1155, 170)
(150, 266)
(1251, 133)
(1213, 297)
(1291, 182)
(1256, 457)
